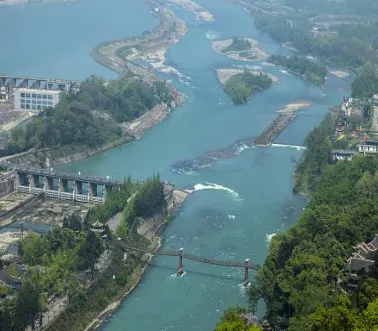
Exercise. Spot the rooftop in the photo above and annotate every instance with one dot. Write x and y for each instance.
(369, 142)
(40, 91)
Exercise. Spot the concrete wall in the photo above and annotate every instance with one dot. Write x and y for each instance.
(7, 181)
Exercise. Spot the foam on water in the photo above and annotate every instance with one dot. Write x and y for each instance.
(243, 289)
(298, 148)
(269, 237)
(231, 217)
(214, 186)
(174, 276)
(212, 35)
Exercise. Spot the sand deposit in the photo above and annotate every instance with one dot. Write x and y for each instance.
(254, 53)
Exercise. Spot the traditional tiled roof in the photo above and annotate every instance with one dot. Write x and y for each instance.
(357, 264)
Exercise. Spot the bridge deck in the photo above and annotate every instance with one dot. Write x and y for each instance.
(61, 174)
(201, 259)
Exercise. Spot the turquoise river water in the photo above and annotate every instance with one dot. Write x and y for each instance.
(238, 203)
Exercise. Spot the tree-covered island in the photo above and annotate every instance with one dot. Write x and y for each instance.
(309, 69)
(237, 48)
(242, 86)
(238, 44)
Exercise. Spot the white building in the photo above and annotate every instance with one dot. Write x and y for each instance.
(368, 146)
(34, 100)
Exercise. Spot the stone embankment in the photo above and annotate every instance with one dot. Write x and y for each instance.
(285, 117)
(274, 129)
(49, 157)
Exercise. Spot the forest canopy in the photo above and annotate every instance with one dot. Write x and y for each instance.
(242, 86)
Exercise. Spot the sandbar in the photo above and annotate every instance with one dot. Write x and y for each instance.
(254, 53)
(225, 74)
(200, 12)
(339, 73)
(294, 106)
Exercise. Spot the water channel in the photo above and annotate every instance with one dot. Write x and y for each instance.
(239, 202)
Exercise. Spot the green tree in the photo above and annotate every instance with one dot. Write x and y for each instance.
(27, 306)
(340, 317)
(232, 321)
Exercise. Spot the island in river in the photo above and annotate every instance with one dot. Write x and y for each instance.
(192, 6)
(244, 49)
(118, 126)
(241, 84)
(309, 69)
(120, 55)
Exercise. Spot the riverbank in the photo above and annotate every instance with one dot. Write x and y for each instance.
(48, 157)
(254, 53)
(151, 230)
(122, 55)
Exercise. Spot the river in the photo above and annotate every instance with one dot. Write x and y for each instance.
(238, 203)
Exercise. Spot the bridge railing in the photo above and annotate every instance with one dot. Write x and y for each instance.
(224, 263)
(52, 193)
(23, 189)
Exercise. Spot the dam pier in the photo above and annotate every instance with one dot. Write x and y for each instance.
(61, 185)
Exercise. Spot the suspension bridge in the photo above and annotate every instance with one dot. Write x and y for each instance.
(181, 255)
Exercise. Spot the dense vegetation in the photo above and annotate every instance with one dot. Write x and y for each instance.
(238, 44)
(296, 29)
(242, 86)
(232, 320)
(90, 117)
(316, 157)
(63, 262)
(344, 32)
(366, 83)
(54, 262)
(299, 280)
(311, 70)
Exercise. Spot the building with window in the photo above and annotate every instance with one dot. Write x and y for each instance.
(368, 146)
(26, 99)
(340, 155)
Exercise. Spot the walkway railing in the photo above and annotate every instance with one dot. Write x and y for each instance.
(202, 259)
(50, 172)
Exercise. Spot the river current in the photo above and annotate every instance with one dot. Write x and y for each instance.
(238, 203)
